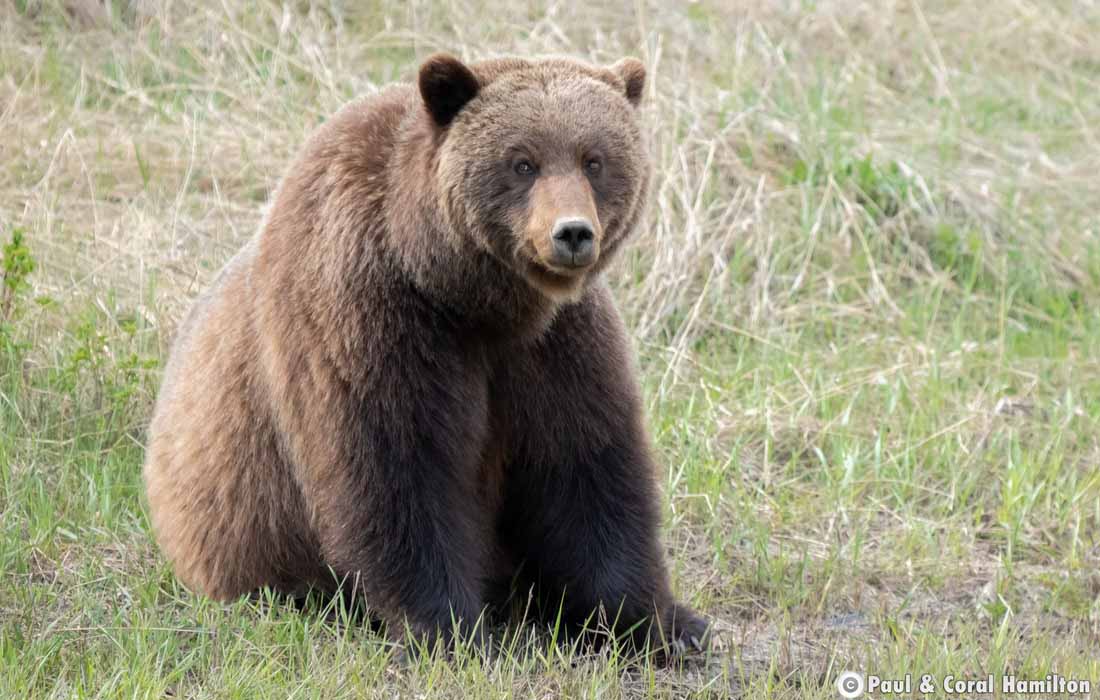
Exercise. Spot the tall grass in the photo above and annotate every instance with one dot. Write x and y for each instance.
(865, 297)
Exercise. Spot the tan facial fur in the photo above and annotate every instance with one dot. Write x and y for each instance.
(555, 198)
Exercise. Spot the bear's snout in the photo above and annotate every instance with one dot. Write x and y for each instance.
(573, 242)
(564, 226)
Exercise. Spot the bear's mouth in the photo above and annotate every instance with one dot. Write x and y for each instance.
(562, 275)
(538, 265)
(554, 281)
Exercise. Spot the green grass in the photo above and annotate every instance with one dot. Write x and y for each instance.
(866, 300)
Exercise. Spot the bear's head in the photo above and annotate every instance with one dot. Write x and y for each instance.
(541, 163)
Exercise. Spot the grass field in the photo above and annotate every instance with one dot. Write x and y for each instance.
(866, 299)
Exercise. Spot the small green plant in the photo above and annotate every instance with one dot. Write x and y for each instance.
(881, 190)
(960, 253)
(16, 266)
(106, 367)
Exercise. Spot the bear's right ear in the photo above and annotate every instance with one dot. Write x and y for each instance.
(446, 85)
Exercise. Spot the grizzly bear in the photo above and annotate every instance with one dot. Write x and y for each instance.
(413, 380)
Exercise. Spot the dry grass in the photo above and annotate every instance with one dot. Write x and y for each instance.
(865, 297)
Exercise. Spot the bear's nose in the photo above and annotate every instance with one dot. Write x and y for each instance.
(573, 242)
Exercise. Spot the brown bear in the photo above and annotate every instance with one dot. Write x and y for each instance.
(414, 377)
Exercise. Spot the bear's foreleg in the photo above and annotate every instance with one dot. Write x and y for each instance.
(388, 470)
(581, 499)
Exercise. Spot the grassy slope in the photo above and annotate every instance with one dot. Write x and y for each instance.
(865, 301)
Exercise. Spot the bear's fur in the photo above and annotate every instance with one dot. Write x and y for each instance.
(399, 384)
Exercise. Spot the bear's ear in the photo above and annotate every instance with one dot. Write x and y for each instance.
(632, 72)
(446, 85)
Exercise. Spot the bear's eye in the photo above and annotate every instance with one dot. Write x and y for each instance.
(593, 166)
(525, 168)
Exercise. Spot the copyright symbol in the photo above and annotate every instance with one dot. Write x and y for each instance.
(849, 684)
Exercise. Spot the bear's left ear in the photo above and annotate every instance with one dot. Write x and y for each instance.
(632, 72)
(446, 85)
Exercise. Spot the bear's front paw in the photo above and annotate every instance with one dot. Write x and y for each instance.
(685, 631)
